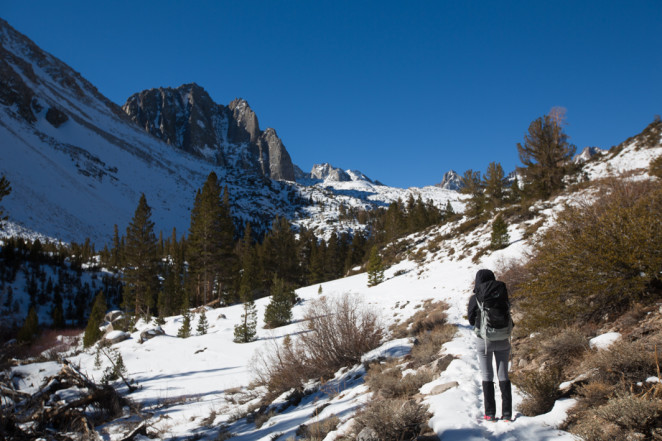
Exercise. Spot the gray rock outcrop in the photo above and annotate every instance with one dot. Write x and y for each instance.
(451, 181)
(230, 136)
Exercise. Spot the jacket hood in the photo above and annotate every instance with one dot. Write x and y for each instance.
(483, 276)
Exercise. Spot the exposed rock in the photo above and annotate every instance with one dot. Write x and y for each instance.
(587, 154)
(149, 334)
(443, 362)
(188, 119)
(441, 388)
(114, 337)
(450, 181)
(56, 117)
(112, 316)
(326, 171)
(367, 434)
(279, 161)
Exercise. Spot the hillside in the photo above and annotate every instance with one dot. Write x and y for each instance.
(205, 392)
(78, 163)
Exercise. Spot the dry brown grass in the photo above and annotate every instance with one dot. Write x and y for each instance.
(318, 430)
(429, 345)
(387, 381)
(431, 315)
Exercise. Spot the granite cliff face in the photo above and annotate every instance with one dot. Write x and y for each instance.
(230, 136)
(450, 181)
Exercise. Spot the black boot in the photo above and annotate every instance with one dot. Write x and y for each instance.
(506, 400)
(488, 394)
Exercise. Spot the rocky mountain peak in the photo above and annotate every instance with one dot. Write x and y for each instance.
(587, 154)
(450, 181)
(229, 136)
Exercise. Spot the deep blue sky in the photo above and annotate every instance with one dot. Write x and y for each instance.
(402, 91)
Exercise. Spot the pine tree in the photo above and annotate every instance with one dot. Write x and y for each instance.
(375, 268)
(203, 324)
(473, 185)
(494, 184)
(5, 190)
(279, 310)
(500, 237)
(229, 279)
(279, 252)
(185, 330)
(212, 261)
(30, 328)
(140, 274)
(448, 212)
(546, 154)
(92, 331)
(245, 331)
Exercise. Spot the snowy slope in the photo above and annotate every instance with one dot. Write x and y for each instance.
(190, 387)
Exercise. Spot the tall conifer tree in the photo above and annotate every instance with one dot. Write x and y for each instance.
(92, 331)
(205, 241)
(493, 181)
(140, 273)
(546, 154)
(473, 185)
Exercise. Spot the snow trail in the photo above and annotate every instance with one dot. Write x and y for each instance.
(457, 412)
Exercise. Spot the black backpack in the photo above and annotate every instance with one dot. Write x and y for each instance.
(494, 322)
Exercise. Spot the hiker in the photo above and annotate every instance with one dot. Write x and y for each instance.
(492, 342)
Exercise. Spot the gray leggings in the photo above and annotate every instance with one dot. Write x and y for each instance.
(499, 350)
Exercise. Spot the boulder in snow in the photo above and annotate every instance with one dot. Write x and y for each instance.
(116, 337)
(149, 334)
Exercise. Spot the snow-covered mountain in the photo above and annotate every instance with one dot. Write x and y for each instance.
(450, 181)
(77, 162)
(587, 154)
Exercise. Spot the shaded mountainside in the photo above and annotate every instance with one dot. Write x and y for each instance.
(77, 164)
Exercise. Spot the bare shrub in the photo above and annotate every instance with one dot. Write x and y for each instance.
(343, 329)
(318, 430)
(565, 345)
(624, 362)
(335, 334)
(280, 367)
(395, 420)
(595, 394)
(541, 390)
(620, 418)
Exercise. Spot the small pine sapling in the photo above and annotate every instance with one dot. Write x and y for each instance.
(203, 324)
